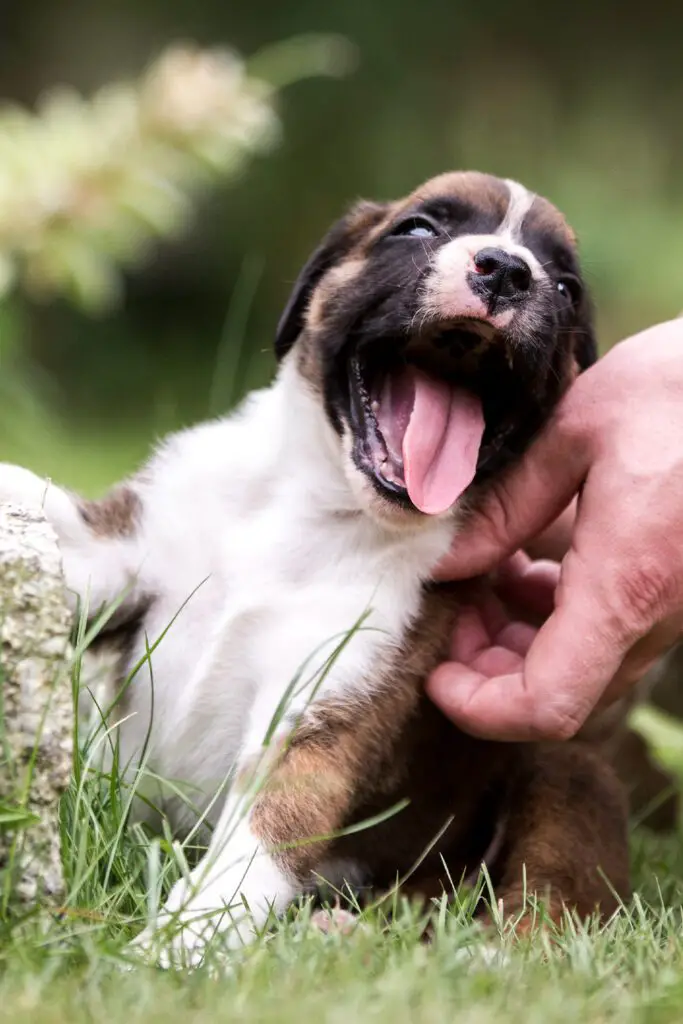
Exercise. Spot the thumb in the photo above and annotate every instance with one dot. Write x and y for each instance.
(522, 503)
(576, 655)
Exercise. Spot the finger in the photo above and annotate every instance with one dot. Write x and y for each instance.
(524, 501)
(497, 661)
(493, 613)
(470, 636)
(554, 542)
(517, 637)
(528, 584)
(477, 704)
(450, 686)
(477, 628)
(576, 653)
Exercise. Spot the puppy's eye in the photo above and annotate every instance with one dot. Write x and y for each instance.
(570, 290)
(415, 227)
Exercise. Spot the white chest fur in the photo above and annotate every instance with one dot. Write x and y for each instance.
(254, 511)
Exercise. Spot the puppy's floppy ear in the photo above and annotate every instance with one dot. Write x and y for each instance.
(586, 349)
(585, 345)
(334, 246)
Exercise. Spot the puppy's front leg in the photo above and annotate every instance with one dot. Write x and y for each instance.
(100, 541)
(226, 899)
(266, 846)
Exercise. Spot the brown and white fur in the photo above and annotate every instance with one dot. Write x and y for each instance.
(269, 537)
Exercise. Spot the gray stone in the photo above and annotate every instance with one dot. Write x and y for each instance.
(36, 717)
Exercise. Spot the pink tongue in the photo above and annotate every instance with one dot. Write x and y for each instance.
(441, 443)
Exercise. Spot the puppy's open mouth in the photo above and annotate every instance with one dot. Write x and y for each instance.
(428, 415)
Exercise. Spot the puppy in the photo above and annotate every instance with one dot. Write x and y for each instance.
(284, 554)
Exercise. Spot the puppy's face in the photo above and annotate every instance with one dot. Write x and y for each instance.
(440, 332)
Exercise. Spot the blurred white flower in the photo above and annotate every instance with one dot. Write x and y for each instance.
(190, 91)
(86, 186)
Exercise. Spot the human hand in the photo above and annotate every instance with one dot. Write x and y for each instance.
(617, 438)
(488, 641)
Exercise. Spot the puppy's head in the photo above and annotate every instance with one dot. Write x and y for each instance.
(439, 332)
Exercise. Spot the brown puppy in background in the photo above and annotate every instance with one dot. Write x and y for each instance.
(425, 342)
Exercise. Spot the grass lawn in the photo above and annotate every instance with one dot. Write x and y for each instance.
(632, 970)
(66, 967)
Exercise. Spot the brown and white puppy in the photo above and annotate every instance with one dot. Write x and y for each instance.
(424, 344)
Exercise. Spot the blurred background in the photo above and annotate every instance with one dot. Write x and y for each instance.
(147, 246)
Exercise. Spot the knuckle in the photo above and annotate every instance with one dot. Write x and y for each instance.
(642, 596)
(558, 723)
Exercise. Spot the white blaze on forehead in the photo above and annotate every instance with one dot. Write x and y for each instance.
(521, 201)
(448, 293)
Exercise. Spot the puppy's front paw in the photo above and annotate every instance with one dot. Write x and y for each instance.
(193, 930)
(172, 945)
(218, 910)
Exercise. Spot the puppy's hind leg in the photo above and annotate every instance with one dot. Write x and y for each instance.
(100, 541)
(566, 838)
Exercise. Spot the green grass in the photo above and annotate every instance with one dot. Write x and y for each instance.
(628, 971)
(66, 967)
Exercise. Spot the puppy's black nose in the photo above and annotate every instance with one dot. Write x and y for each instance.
(502, 274)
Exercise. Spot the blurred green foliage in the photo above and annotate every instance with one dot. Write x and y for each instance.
(581, 103)
(664, 734)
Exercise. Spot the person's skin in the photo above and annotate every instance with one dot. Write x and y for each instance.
(616, 442)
